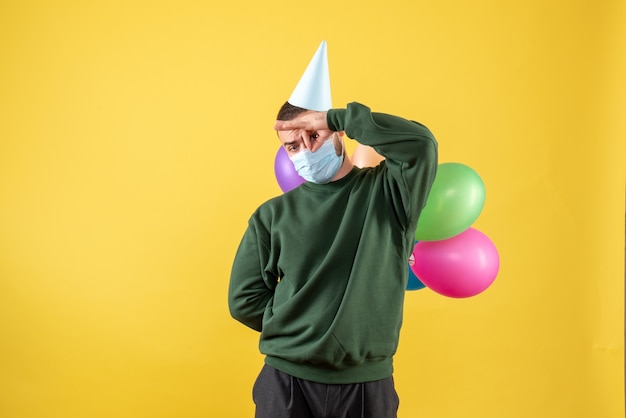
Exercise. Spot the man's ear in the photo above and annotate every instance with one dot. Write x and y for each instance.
(338, 141)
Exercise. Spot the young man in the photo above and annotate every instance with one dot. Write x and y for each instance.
(321, 271)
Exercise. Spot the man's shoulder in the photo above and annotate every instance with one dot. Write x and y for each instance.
(273, 204)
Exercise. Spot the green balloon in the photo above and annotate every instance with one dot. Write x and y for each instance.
(456, 199)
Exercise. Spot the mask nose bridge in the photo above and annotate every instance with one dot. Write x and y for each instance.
(331, 138)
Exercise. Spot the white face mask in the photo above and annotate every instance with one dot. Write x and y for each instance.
(319, 166)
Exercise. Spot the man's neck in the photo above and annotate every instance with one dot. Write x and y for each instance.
(346, 167)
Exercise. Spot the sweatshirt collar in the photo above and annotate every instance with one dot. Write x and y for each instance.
(333, 185)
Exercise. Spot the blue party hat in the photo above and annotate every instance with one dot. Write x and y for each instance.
(313, 89)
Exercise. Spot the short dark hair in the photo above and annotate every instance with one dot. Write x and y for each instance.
(288, 111)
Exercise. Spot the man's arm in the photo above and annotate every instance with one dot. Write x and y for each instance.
(251, 287)
(410, 152)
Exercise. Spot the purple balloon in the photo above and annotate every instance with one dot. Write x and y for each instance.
(285, 172)
(457, 267)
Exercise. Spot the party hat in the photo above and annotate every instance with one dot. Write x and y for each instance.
(313, 89)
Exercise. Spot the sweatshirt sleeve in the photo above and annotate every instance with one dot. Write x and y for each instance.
(410, 152)
(252, 285)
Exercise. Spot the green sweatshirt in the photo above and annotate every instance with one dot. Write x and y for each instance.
(322, 270)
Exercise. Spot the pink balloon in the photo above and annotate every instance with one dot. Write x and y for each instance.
(457, 267)
(285, 172)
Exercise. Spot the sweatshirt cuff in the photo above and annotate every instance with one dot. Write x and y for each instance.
(335, 118)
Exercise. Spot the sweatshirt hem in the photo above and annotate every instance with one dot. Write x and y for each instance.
(361, 373)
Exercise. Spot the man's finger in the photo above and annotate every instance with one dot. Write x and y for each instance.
(282, 125)
(306, 138)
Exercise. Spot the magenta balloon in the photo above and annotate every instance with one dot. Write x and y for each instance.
(285, 172)
(458, 267)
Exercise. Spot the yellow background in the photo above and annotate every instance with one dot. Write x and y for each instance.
(135, 141)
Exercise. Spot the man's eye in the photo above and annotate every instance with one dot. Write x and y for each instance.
(292, 148)
(315, 136)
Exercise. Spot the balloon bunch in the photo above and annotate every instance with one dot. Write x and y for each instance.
(449, 257)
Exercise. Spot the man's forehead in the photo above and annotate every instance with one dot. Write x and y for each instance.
(293, 135)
